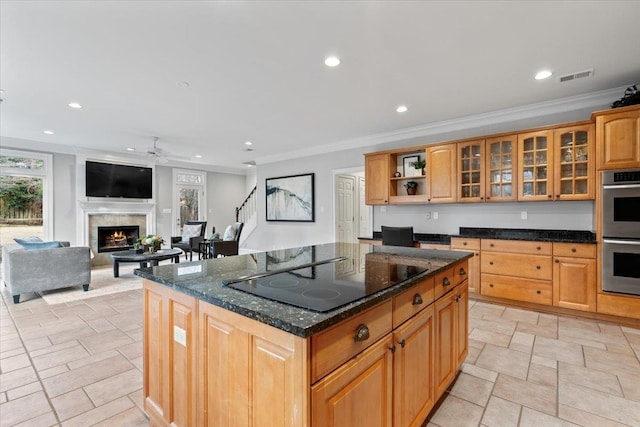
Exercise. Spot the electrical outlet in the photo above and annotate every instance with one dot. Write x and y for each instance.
(428, 216)
(523, 215)
(383, 208)
(435, 215)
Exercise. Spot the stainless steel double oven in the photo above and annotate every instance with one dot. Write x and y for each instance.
(621, 231)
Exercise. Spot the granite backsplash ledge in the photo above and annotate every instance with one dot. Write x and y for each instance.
(568, 236)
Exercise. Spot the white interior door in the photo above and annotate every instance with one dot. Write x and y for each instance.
(345, 217)
(188, 206)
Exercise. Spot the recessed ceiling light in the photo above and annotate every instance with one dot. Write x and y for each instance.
(544, 74)
(48, 132)
(75, 105)
(332, 61)
(402, 109)
(198, 156)
(248, 143)
(131, 149)
(249, 166)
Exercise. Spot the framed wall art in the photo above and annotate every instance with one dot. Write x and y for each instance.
(290, 198)
(407, 167)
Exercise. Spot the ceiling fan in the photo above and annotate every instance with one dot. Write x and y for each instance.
(156, 152)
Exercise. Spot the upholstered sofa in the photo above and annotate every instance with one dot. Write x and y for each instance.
(38, 270)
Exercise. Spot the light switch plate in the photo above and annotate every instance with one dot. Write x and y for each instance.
(523, 215)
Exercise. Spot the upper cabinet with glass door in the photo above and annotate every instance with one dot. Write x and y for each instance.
(501, 168)
(471, 171)
(535, 169)
(574, 151)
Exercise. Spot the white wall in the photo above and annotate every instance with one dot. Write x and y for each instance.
(64, 198)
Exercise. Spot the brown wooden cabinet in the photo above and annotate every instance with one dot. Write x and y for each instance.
(535, 166)
(376, 172)
(471, 171)
(574, 276)
(441, 173)
(413, 369)
(470, 245)
(501, 168)
(462, 321)
(445, 342)
(169, 385)
(618, 138)
(574, 172)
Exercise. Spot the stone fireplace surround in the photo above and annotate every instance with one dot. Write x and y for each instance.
(98, 213)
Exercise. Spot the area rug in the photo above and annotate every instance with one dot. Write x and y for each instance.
(102, 283)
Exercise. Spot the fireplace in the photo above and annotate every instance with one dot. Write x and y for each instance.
(118, 238)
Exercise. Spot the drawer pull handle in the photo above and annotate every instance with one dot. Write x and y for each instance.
(491, 244)
(491, 285)
(490, 262)
(446, 282)
(537, 267)
(417, 299)
(462, 272)
(538, 292)
(573, 250)
(362, 334)
(538, 248)
(557, 261)
(402, 343)
(464, 243)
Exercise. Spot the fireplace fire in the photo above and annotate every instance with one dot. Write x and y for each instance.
(118, 238)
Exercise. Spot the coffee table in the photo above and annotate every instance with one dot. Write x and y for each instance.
(144, 258)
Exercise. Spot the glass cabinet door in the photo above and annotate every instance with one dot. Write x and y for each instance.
(574, 148)
(535, 172)
(471, 171)
(500, 167)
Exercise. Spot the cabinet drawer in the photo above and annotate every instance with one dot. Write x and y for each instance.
(434, 246)
(332, 347)
(460, 272)
(516, 246)
(413, 300)
(576, 250)
(444, 282)
(465, 244)
(537, 291)
(528, 266)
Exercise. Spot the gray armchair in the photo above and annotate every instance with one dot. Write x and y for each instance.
(192, 244)
(230, 244)
(38, 270)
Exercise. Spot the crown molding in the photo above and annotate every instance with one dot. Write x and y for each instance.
(593, 100)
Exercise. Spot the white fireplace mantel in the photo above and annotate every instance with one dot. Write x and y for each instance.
(109, 207)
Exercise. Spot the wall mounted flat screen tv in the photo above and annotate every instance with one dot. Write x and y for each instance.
(112, 180)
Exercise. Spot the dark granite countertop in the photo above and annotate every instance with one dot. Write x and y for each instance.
(204, 280)
(561, 236)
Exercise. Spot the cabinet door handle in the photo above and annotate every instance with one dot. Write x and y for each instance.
(549, 196)
(491, 244)
(362, 333)
(538, 292)
(393, 349)
(490, 262)
(402, 343)
(491, 285)
(557, 196)
(446, 282)
(481, 198)
(573, 250)
(417, 299)
(538, 248)
(537, 267)
(557, 261)
(477, 253)
(488, 197)
(462, 272)
(464, 243)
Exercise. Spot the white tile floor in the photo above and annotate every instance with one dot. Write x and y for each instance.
(80, 364)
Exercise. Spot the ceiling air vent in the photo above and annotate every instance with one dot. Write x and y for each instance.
(575, 76)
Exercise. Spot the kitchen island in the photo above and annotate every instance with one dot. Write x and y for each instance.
(217, 354)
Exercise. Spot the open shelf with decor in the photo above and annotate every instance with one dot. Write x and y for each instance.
(408, 183)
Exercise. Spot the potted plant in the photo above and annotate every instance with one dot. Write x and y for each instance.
(419, 164)
(411, 187)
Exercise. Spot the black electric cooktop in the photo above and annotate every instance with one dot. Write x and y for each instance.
(325, 286)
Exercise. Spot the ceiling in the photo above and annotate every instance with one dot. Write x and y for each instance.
(205, 77)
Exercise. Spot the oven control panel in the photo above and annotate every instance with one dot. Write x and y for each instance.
(629, 176)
